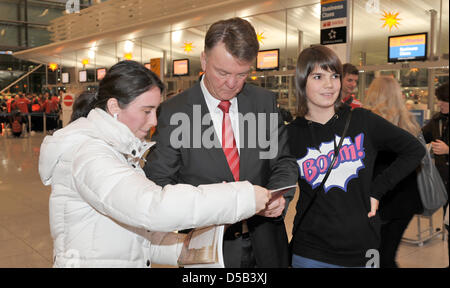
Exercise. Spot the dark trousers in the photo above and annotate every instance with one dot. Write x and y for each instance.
(448, 243)
(446, 227)
(25, 121)
(237, 248)
(238, 253)
(50, 122)
(36, 123)
(391, 235)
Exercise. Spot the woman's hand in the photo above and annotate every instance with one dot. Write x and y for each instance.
(262, 197)
(373, 207)
(274, 208)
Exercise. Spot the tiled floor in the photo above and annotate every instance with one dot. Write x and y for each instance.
(25, 239)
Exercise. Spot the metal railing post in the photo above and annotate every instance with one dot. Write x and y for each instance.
(44, 129)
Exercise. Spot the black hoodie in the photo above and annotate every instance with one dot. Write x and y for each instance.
(336, 229)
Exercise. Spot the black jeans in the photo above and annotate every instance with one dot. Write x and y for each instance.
(391, 235)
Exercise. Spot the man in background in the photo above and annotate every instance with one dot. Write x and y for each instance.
(436, 132)
(349, 83)
(21, 104)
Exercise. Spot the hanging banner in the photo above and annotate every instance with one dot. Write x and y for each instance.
(333, 22)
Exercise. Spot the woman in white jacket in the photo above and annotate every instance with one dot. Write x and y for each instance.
(103, 210)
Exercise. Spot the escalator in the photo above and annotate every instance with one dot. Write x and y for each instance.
(16, 79)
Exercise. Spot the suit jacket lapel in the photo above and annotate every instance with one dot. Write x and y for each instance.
(217, 157)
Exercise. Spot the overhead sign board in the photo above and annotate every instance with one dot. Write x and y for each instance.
(333, 22)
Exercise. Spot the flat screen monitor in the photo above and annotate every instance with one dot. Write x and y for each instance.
(411, 47)
(420, 116)
(101, 73)
(82, 76)
(181, 67)
(268, 60)
(91, 75)
(65, 78)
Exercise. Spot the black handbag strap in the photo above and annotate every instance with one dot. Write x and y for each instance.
(336, 153)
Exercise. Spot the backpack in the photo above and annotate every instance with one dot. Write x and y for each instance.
(431, 187)
(16, 126)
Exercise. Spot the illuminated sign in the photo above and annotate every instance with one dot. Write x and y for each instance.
(101, 73)
(181, 67)
(65, 77)
(82, 76)
(268, 59)
(410, 47)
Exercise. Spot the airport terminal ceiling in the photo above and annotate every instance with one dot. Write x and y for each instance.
(278, 22)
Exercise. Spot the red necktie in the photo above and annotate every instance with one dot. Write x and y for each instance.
(228, 142)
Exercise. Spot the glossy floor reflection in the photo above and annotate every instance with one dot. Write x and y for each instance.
(25, 239)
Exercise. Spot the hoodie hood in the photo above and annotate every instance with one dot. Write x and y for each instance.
(342, 111)
(98, 125)
(311, 126)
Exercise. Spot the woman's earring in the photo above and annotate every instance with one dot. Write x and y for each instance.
(115, 116)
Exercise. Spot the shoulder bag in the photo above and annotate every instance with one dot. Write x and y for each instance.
(431, 187)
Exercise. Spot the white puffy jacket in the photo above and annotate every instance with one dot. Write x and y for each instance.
(102, 207)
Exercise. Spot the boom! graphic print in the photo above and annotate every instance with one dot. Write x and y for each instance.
(313, 166)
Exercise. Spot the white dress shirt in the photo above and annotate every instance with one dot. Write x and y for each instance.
(217, 114)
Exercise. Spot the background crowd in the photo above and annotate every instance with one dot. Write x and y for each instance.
(94, 163)
(20, 108)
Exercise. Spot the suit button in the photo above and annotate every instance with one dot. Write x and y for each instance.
(148, 263)
(133, 152)
(134, 166)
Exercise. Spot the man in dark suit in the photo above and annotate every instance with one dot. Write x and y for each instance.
(222, 129)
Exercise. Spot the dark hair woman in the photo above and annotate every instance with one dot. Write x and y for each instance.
(338, 226)
(103, 210)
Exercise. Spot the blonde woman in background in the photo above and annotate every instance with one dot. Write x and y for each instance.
(398, 206)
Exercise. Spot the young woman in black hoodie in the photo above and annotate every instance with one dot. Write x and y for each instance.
(341, 227)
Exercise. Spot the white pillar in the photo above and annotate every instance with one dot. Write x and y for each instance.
(432, 57)
(66, 106)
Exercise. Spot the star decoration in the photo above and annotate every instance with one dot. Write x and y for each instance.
(53, 66)
(188, 47)
(390, 20)
(260, 37)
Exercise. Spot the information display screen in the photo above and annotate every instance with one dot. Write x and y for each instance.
(181, 67)
(268, 60)
(82, 76)
(412, 47)
(101, 73)
(65, 79)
